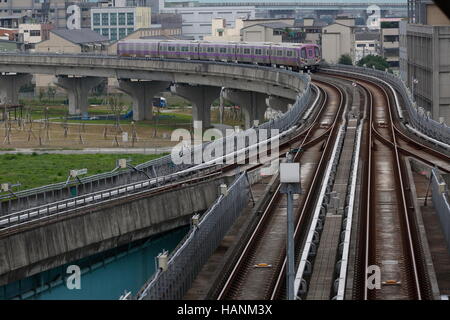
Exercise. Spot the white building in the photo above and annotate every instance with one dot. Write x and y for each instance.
(197, 21)
(118, 22)
(32, 32)
(366, 43)
(338, 39)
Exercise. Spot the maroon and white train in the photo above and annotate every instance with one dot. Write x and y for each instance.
(297, 56)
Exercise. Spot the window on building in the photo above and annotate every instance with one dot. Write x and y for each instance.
(96, 19)
(360, 45)
(130, 30)
(105, 32)
(371, 45)
(113, 19)
(105, 20)
(35, 33)
(122, 33)
(130, 19)
(121, 18)
(113, 34)
(97, 30)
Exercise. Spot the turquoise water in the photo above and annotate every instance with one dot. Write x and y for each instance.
(104, 276)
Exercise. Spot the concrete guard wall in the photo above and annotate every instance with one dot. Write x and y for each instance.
(265, 80)
(47, 244)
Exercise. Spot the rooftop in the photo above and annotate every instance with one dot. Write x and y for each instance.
(360, 36)
(272, 25)
(80, 36)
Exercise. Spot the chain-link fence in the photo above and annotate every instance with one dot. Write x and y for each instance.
(418, 117)
(203, 239)
(441, 202)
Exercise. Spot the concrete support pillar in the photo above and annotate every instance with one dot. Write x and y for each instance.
(201, 98)
(142, 93)
(78, 91)
(10, 85)
(278, 103)
(253, 104)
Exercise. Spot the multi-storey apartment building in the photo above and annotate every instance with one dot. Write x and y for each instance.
(426, 59)
(390, 42)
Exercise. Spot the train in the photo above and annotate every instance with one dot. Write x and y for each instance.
(294, 56)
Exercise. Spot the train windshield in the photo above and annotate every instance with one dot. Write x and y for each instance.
(316, 50)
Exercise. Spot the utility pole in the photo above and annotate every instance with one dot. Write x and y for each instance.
(290, 185)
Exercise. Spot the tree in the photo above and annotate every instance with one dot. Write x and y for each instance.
(371, 60)
(345, 59)
(116, 106)
(51, 92)
(41, 94)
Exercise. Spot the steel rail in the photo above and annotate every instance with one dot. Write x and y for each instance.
(310, 195)
(401, 190)
(262, 223)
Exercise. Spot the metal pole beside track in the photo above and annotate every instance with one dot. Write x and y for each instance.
(290, 185)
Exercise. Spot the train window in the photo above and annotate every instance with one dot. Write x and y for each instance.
(289, 53)
(303, 53)
(231, 50)
(223, 50)
(279, 52)
(258, 51)
(210, 49)
(184, 49)
(195, 49)
(246, 51)
(316, 50)
(171, 48)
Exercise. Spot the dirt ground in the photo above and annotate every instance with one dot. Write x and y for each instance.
(79, 136)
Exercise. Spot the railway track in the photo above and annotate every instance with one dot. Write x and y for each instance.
(387, 224)
(257, 269)
(388, 228)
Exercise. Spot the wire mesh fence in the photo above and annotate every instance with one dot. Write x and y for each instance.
(203, 239)
(441, 202)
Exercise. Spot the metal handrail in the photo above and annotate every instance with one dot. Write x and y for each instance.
(417, 116)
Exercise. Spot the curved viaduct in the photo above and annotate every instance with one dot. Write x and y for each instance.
(201, 82)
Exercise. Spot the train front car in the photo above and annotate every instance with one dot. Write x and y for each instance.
(139, 48)
(310, 57)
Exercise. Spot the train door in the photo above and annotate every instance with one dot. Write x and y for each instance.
(303, 57)
(193, 51)
(163, 49)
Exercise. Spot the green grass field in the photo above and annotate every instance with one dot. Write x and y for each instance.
(37, 170)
